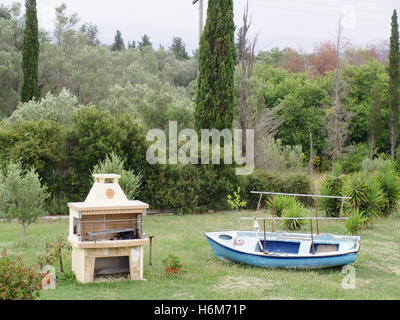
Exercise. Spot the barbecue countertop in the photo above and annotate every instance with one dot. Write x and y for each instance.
(109, 205)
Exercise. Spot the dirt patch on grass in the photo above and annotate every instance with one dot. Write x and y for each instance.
(392, 268)
(11, 248)
(5, 245)
(395, 270)
(243, 284)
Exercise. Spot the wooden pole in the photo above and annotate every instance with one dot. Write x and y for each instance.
(273, 221)
(201, 22)
(341, 209)
(316, 214)
(201, 16)
(265, 239)
(151, 248)
(259, 203)
(312, 238)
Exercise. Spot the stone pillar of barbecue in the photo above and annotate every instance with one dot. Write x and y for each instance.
(106, 203)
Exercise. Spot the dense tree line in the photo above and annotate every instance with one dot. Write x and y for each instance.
(77, 75)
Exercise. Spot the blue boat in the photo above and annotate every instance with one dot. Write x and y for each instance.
(284, 250)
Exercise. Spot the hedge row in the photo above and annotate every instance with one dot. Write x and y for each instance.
(265, 181)
(64, 156)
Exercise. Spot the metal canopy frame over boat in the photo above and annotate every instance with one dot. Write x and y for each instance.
(311, 219)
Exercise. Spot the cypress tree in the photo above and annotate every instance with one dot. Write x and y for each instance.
(145, 42)
(179, 49)
(118, 44)
(217, 56)
(394, 74)
(30, 54)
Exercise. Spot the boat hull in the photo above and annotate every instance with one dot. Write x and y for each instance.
(308, 261)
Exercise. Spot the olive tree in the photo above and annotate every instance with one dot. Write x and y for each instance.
(22, 196)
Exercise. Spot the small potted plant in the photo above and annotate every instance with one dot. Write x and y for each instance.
(172, 264)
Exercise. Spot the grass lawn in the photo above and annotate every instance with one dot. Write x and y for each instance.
(377, 266)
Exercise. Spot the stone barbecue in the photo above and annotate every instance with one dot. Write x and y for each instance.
(106, 232)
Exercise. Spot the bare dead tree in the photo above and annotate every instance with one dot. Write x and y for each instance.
(253, 113)
(246, 71)
(338, 121)
(337, 100)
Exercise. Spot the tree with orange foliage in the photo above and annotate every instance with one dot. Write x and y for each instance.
(324, 58)
(292, 61)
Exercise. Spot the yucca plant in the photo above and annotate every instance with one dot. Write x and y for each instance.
(296, 211)
(376, 200)
(366, 195)
(389, 182)
(356, 222)
(332, 185)
(356, 187)
(281, 203)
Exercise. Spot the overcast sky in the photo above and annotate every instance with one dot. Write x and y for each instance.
(279, 23)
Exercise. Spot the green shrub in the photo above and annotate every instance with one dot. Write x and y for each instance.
(282, 158)
(356, 187)
(94, 135)
(59, 108)
(356, 222)
(173, 187)
(189, 188)
(22, 196)
(267, 182)
(40, 145)
(172, 261)
(366, 195)
(214, 183)
(54, 254)
(296, 211)
(332, 186)
(129, 181)
(376, 201)
(235, 202)
(389, 182)
(371, 166)
(353, 157)
(281, 203)
(18, 282)
(57, 204)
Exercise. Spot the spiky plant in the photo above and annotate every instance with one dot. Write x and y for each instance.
(356, 222)
(281, 203)
(356, 187)
(376, 200)
(332, 185)
(387, 177)
(296, 211)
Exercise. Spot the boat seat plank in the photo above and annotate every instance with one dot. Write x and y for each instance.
(305, 247)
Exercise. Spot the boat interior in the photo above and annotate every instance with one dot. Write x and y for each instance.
(283, 243)
(287, 247)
